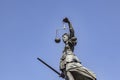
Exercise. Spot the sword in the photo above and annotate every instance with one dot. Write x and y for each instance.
(50, 67)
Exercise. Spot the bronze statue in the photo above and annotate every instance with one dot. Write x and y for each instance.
(70, 65)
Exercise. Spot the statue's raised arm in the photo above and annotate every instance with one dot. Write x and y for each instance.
(66, 20)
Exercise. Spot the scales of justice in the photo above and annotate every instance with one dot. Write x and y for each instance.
(70, 66)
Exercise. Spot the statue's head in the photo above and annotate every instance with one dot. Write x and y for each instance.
(65, 37)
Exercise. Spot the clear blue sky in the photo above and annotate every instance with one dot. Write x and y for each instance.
(27, 31)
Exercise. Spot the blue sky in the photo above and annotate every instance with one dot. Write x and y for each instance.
(27, 31)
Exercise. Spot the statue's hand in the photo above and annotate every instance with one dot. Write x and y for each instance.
(66, 20)
(62, 75)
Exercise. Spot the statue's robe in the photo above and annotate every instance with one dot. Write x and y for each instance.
(73, 69)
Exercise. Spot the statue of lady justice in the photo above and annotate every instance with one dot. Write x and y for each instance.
(70, 66)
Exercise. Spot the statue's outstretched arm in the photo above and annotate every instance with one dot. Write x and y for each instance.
(70, 27)
(71, 30)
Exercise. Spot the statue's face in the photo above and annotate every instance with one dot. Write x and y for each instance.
(65, 38)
